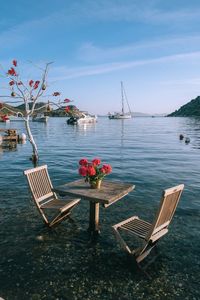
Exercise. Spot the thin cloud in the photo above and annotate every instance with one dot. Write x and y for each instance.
(70, 73)
(89, 52)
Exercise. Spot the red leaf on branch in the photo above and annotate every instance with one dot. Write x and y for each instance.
(14, 63)
(12, 72)
(36, 84)
(67, 100)
(31, 83)
(11, 82)
(20, 83)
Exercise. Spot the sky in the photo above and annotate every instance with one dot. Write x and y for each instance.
(153, 46)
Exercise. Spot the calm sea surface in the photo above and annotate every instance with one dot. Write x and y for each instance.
(64, 262)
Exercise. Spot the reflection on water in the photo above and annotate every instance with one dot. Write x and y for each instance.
(84, 128)
(144, 151)
(7, 146)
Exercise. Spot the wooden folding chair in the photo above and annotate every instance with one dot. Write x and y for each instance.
(45, 199)
(149, 233)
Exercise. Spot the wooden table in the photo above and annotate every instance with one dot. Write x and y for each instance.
(110, 192)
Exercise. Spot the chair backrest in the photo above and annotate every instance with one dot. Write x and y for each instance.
(40, 184)
(168, 204)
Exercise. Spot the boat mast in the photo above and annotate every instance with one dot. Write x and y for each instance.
(122, 92)
(127, 101)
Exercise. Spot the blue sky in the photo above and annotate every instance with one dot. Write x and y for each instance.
(152, 46)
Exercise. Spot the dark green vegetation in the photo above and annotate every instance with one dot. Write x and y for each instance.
(59, 112)
(190, 109)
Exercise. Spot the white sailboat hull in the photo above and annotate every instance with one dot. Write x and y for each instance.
(14, 119)
(42, 119)
(119, 116)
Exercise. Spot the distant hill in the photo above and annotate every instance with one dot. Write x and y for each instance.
(9, 109)
(190, 109)
(139, 114)
(22, 106)
(60, 112)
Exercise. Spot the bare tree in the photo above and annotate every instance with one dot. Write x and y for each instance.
(28, 93)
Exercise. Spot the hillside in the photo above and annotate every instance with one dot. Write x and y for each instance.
(190, 109)
(9, 109)
(59, 112)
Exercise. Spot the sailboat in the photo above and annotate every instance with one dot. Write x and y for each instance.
(122, 114)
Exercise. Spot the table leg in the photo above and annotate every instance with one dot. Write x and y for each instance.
(94, 217)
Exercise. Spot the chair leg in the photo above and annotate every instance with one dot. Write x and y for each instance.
(63, 214)
(144, 271)
(59, 218)
(139, 253)
(145, 251)
(122, 243)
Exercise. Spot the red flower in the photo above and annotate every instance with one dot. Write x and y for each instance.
(96, 162)
(36, 84)
(91, 170)
(83, 162)
(20, 83)
(12, 72)
(14, 63)
(106, 169)
(11, 82)
(83, 171)
(67, 100)
(56, 94)
(31, 83)
(102, 170)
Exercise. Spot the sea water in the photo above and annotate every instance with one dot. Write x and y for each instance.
(65, 262)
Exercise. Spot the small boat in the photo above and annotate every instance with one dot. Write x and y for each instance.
(82, 119)
(17, 117)
(122, 114)
(4, 118)
(40, 118)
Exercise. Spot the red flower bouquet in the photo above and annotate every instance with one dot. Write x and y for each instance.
(93, 171)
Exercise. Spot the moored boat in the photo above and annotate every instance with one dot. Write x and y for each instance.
(122, 114)
(40, 118)
(17, 117)
(82, 119)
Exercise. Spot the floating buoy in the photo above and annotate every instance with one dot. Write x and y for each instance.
(187, 140)
(181, 137)
(23, 137)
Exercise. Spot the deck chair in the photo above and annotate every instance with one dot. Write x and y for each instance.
(45, 199)
(147, 233)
